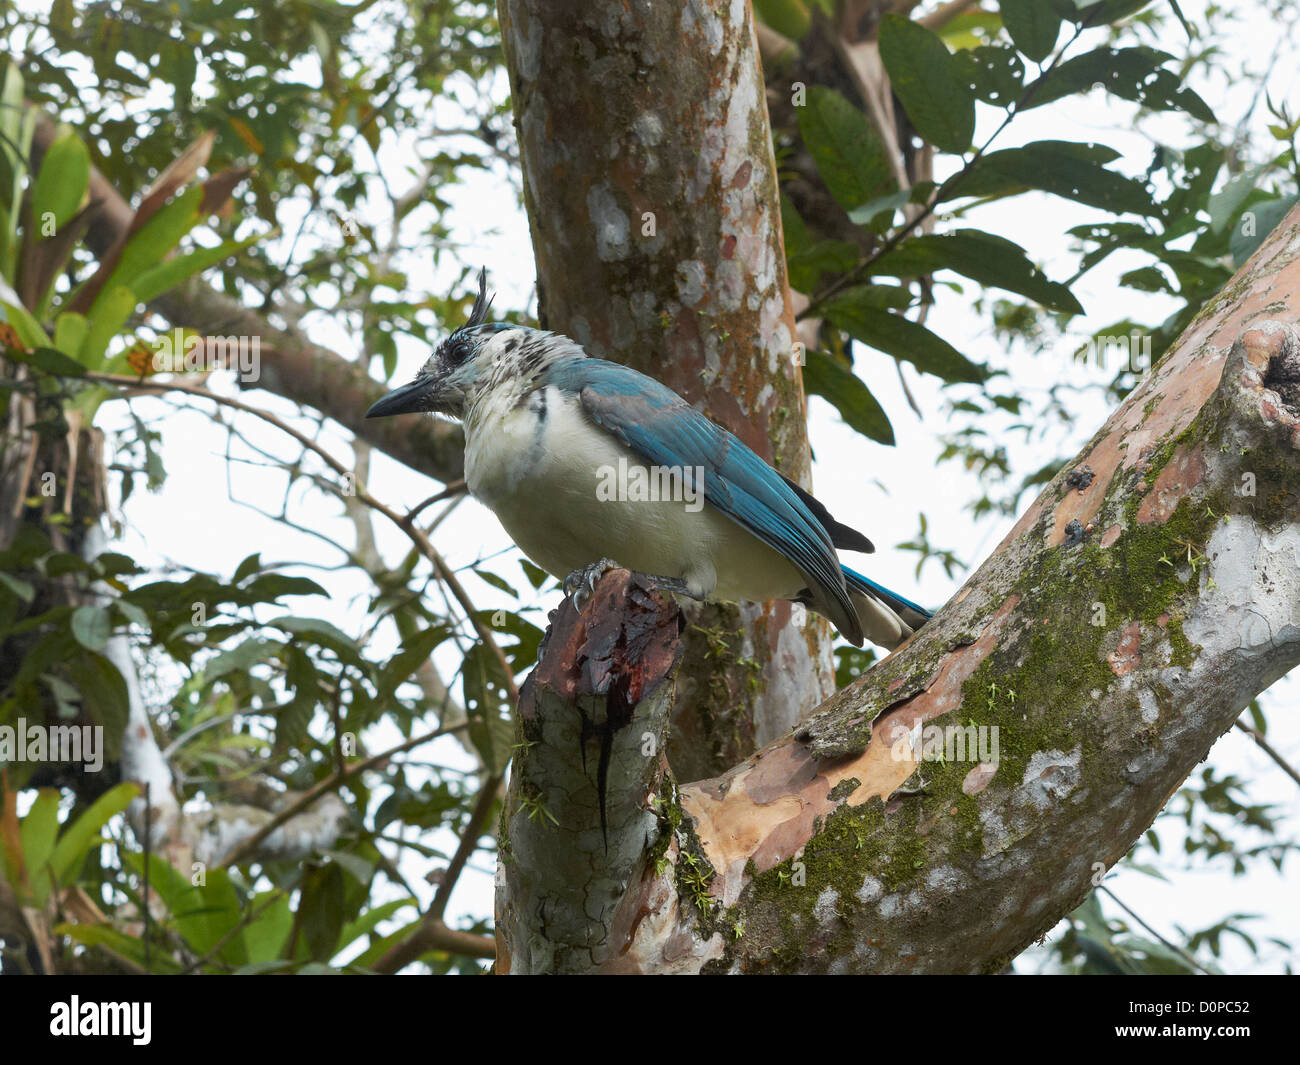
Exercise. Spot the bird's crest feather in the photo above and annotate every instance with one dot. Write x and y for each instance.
(482, 302)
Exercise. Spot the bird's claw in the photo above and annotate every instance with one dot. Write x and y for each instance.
(579, 584)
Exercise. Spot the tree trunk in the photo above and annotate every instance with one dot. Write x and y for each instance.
(1134, 611)
(651, 193)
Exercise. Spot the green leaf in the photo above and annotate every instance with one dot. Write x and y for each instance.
(924, 77)
(849, 156)
(995, 72)
(1256, 224)
(797, 237)
(271, 586)
(70, 333)
(293, 718)
(265, 937)
(1063, 168)
(806, 267)
(1136, 74)
(522, 654)
(487, 705)
(11, 111)
(499, 583)
(91, 626)
(321, 911)
(872, 210)
(30, 543)
(1224, 204)
(323, 633)
(28, 328)
(62, 14)
(132, 613)
(249, 566)
(49, 360)
(39, 829)
(112, 563)
(381, 946)
(62, 183)
(112, 308)
(826, 376)
(1178, 14)
(535, 574)
(790, 18)
(170, 273)
(118, 943)
(415, 650)
(20, 588)
(206, 914)
(103, 694)
(157, 237)
(904, 339)
(1097, 14)
(1033, 25)
(983, 257)
(77, 839)
(1147, 279)
(365, 924)
(17, 125)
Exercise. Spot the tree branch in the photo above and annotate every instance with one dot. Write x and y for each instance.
(582, 815)
(291, 365)
(990, 768)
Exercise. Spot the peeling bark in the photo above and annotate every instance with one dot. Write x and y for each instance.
(1142, 601)
(651, 193)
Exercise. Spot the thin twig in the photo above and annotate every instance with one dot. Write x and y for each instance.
(405, 523)
(1151, 931)
(1268, 749)
(455, 488)
(245, 849)
(433, 932)
(487, 796)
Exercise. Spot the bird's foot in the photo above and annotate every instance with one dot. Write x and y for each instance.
(579, 584)
(676, 585)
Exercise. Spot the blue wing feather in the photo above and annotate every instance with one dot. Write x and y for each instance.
(667, 431)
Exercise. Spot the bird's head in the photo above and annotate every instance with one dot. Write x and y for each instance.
(463, 366)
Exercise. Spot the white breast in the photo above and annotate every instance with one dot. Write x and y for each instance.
(544, 468)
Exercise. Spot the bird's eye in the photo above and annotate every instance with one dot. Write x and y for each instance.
(456, 353)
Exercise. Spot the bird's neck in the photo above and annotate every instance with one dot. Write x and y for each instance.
(493, 403)
(518, 364)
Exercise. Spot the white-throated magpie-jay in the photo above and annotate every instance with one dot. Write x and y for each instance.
(585, 461)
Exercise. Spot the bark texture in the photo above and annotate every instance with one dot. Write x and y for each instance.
(580, 820)
(651, 194)
(1142, 601)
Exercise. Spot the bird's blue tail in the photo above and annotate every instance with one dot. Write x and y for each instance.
(887, 618)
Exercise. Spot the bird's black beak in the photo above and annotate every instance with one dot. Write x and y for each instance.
(410, 398)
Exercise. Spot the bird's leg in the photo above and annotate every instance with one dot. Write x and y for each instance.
(579, 584)
(676, 585)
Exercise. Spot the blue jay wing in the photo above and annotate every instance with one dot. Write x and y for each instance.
(841, 535)
(662, 427)
(914, 615)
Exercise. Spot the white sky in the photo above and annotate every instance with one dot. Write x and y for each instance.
(191, 521)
